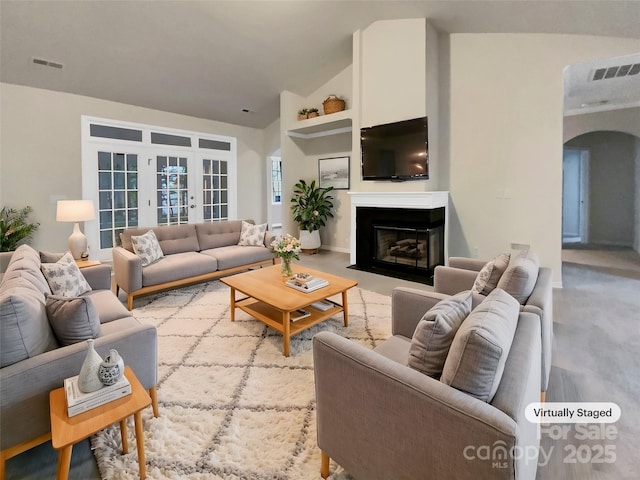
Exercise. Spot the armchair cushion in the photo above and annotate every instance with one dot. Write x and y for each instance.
(521, 274)
(435, 333)
(477, 356)
(73, 319)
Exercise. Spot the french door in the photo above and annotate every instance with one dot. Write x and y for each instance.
(137, 185)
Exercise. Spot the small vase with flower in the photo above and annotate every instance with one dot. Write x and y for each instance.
(287, 247)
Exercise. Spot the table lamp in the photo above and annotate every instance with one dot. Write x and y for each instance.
(76, 211)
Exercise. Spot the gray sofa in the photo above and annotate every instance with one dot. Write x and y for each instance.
(380, 419)
(34, 363)
(192, 253)
(534, 291)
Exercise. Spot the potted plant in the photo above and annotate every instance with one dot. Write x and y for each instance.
(14, 228)
(302, 114)
(312, 112)
(311, 207)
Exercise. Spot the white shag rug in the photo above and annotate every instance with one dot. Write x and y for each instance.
(231, 405)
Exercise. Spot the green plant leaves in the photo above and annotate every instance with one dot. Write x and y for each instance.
(311, 205)
(14, 227)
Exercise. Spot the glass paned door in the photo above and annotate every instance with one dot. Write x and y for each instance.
(175, 201)
(215, 198)
(117, 195)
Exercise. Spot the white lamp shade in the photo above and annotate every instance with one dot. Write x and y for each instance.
(75, 211)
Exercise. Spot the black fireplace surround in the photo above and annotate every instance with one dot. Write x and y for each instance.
(404, 243)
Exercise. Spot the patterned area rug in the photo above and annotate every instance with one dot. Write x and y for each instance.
(231, 405)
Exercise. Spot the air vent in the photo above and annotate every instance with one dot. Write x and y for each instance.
(47, 63)
(616, 72)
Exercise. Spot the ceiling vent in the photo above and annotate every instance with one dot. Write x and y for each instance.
(616, 72)
(47, 63)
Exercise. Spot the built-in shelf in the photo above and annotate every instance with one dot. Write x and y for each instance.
(332, 124)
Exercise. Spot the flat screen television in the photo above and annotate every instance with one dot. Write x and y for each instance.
(396, 151)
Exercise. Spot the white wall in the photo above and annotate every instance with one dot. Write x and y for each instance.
(41, 159)
(506, 137)
(625, 120)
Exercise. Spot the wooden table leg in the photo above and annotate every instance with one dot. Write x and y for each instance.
(64, 462)
(233, 304)
(123, 435)
(345, 308)
(142, 461)
(286, 324)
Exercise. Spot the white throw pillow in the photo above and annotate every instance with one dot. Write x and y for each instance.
(252, 235)
(64, 277)
(147, 247)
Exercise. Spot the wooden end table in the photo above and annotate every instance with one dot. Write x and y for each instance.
(67, 431)
(271, 301)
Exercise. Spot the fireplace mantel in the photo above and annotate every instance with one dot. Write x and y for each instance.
(418, 200)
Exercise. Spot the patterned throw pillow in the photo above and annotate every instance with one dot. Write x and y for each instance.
(146, 246)
(483, 277)
(64, 277)
(252, 235)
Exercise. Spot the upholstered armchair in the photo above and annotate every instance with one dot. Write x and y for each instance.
(378, 418)
(521, 276)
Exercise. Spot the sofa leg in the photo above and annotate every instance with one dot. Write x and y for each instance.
(129, 302)
(154, 401)
(543, 397)
(324, 468)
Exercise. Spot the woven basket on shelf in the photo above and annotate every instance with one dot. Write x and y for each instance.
(332, 104)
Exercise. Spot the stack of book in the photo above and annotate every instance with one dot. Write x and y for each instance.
(78, 401)
(306, 283)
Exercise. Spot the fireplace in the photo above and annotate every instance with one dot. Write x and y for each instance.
(400, 242)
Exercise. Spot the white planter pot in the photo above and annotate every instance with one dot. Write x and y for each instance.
(309, 240)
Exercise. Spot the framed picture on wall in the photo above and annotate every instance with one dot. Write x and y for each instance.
(334, 172)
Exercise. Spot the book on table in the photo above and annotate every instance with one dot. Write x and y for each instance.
(306, 283)
(299, 314)
(78, 401)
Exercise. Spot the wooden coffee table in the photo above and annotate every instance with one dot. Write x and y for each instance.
(67, 431)
(271, 301)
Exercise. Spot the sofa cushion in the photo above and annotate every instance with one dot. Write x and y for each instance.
(172, 238)
(73, 319)
(25, 263)
(24, 328)
(49, 257)
(146, 246)
(219, 234)
(64, 277)
(490, 274)
(435, 332)
(178, 266)
(480, 348)
(521, 275)
(235, 255)
(252, 235)
(108, 306)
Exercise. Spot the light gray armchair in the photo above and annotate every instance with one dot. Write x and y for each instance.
(461, 274)
(380, 419)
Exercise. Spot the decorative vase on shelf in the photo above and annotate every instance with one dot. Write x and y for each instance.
(286, 268)
(112, 368)
(88, 379)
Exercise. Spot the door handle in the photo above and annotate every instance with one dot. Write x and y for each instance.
(192, 206)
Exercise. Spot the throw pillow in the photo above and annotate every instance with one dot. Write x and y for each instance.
(252, 235)
(480, 348)
(489, 276)
(73, 319)
(48, 257)
(521, 275)
(147, 247)
(435, 332)
(482, 278)
(64, 277)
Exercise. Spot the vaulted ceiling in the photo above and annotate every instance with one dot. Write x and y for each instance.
(214, 59)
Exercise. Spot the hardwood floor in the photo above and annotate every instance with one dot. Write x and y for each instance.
(595, 359)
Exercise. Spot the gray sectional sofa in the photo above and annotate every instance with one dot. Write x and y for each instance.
(192, 253)
(33, 360)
